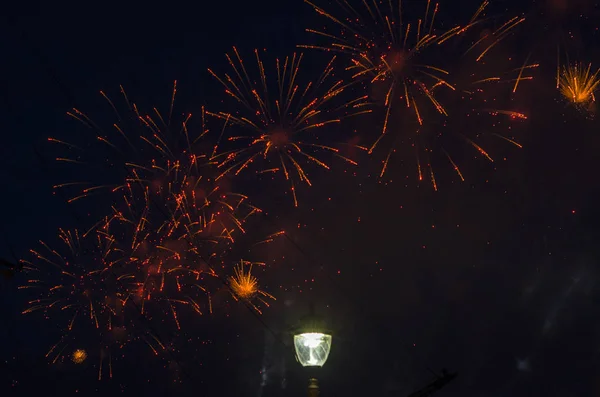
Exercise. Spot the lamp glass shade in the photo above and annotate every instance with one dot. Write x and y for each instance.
(312, 348)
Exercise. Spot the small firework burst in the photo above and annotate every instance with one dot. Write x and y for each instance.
(244, 286)
(79, 356)
(282, 119)
(577, 84)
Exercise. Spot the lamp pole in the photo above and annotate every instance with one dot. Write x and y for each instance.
(313, 387)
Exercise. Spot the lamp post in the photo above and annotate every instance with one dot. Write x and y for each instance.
(312, 344)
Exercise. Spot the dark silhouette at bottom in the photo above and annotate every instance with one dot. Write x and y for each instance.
(436, 385)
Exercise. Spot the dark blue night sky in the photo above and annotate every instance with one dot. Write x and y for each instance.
(495, 278)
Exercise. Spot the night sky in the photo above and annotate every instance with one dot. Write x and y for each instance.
(495, 277)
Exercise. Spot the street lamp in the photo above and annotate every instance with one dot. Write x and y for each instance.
(312, 348)
(312, 345)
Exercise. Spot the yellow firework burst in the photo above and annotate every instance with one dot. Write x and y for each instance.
(577, 83)
(244, 286)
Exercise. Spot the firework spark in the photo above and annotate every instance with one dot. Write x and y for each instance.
(244, 286)
(577, 84)
(407, 64)
(282, 124)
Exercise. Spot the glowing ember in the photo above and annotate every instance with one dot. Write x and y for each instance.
(79, 356)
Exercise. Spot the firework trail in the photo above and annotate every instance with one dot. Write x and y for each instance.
(407, 64)
(281, 119)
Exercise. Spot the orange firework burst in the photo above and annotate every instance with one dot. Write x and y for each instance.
(77, 282)
(153, 153)
(170, 262)
(188, 202)
(244, 286)
(406, 63)
(282, 127)
(577, 84)
(79, 356)
(85, 288)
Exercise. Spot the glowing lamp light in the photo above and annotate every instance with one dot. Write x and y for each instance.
(312, 348)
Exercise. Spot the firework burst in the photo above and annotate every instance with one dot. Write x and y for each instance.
(282, 124)
(83, 275)
(85, 288)
(407, 65)
(577, 84)
(79, 356)
(244, 286)
(170, 263)
(154, 154)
